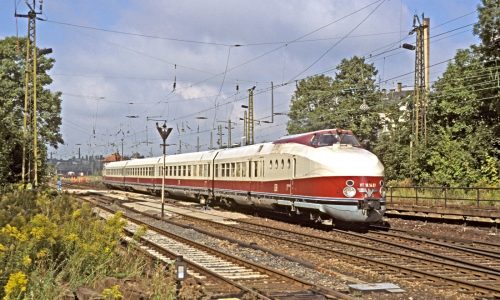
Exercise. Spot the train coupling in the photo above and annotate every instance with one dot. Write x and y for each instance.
(369, 204)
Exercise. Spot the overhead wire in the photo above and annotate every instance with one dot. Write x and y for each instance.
(337, 43)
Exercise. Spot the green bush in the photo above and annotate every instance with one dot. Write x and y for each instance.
(52, 244)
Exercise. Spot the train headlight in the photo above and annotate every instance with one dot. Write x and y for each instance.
(349, 191)
(382, 192)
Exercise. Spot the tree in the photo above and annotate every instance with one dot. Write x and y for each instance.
(464, 143)
(488, 29)
(12, 63)
(321, 102)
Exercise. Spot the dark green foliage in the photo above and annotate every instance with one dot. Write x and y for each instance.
(12, 75)
(488, 29)
(323, 102)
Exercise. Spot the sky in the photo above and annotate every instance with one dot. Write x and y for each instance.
(117, 61)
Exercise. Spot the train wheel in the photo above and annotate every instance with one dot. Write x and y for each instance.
(227, 202)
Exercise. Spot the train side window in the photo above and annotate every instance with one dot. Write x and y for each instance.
(208, 168)
(270, 165)
(233, 169)
(282, 164)
(288, 164)
(188, 170)
(276, 164)
(256, 168)
(244, 169)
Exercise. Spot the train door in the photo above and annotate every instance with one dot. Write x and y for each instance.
(293, 172)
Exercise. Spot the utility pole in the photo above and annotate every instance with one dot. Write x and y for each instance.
(421, 86)
(229, 127)
(164, 133)
(30, 93)
(198, 139)
(250, 123)
(245, 126)
(219, 133)
(211, 139)
(123, 155)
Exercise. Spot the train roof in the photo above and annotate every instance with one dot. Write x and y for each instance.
(305, 138)
(132, 162)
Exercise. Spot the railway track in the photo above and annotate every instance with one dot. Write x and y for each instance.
(218, 271)
(478, 246)
(391, 258)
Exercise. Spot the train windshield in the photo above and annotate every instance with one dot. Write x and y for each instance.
(329, 139)
(349, 139)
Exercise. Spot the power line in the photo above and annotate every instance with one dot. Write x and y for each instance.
(140, 34)
(334, 45)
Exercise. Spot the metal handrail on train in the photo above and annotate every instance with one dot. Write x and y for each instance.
(444, 196)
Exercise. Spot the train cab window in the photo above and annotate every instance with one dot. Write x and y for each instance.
(328, 139)
(349, 139)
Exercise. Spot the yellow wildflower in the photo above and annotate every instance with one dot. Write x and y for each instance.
(15, 285)
(76, 213)
(2, 247)
(42, 253)
(14, 232)
(26, 261)
(112, 293)
(38, 233)
(71, 237)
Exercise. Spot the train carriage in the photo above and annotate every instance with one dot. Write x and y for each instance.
(323, 174)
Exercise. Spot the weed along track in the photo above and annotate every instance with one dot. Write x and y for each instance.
(220, 273)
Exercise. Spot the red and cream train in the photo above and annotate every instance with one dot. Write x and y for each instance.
(323, 174)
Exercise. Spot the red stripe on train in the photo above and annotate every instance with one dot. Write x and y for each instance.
(310, 187)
